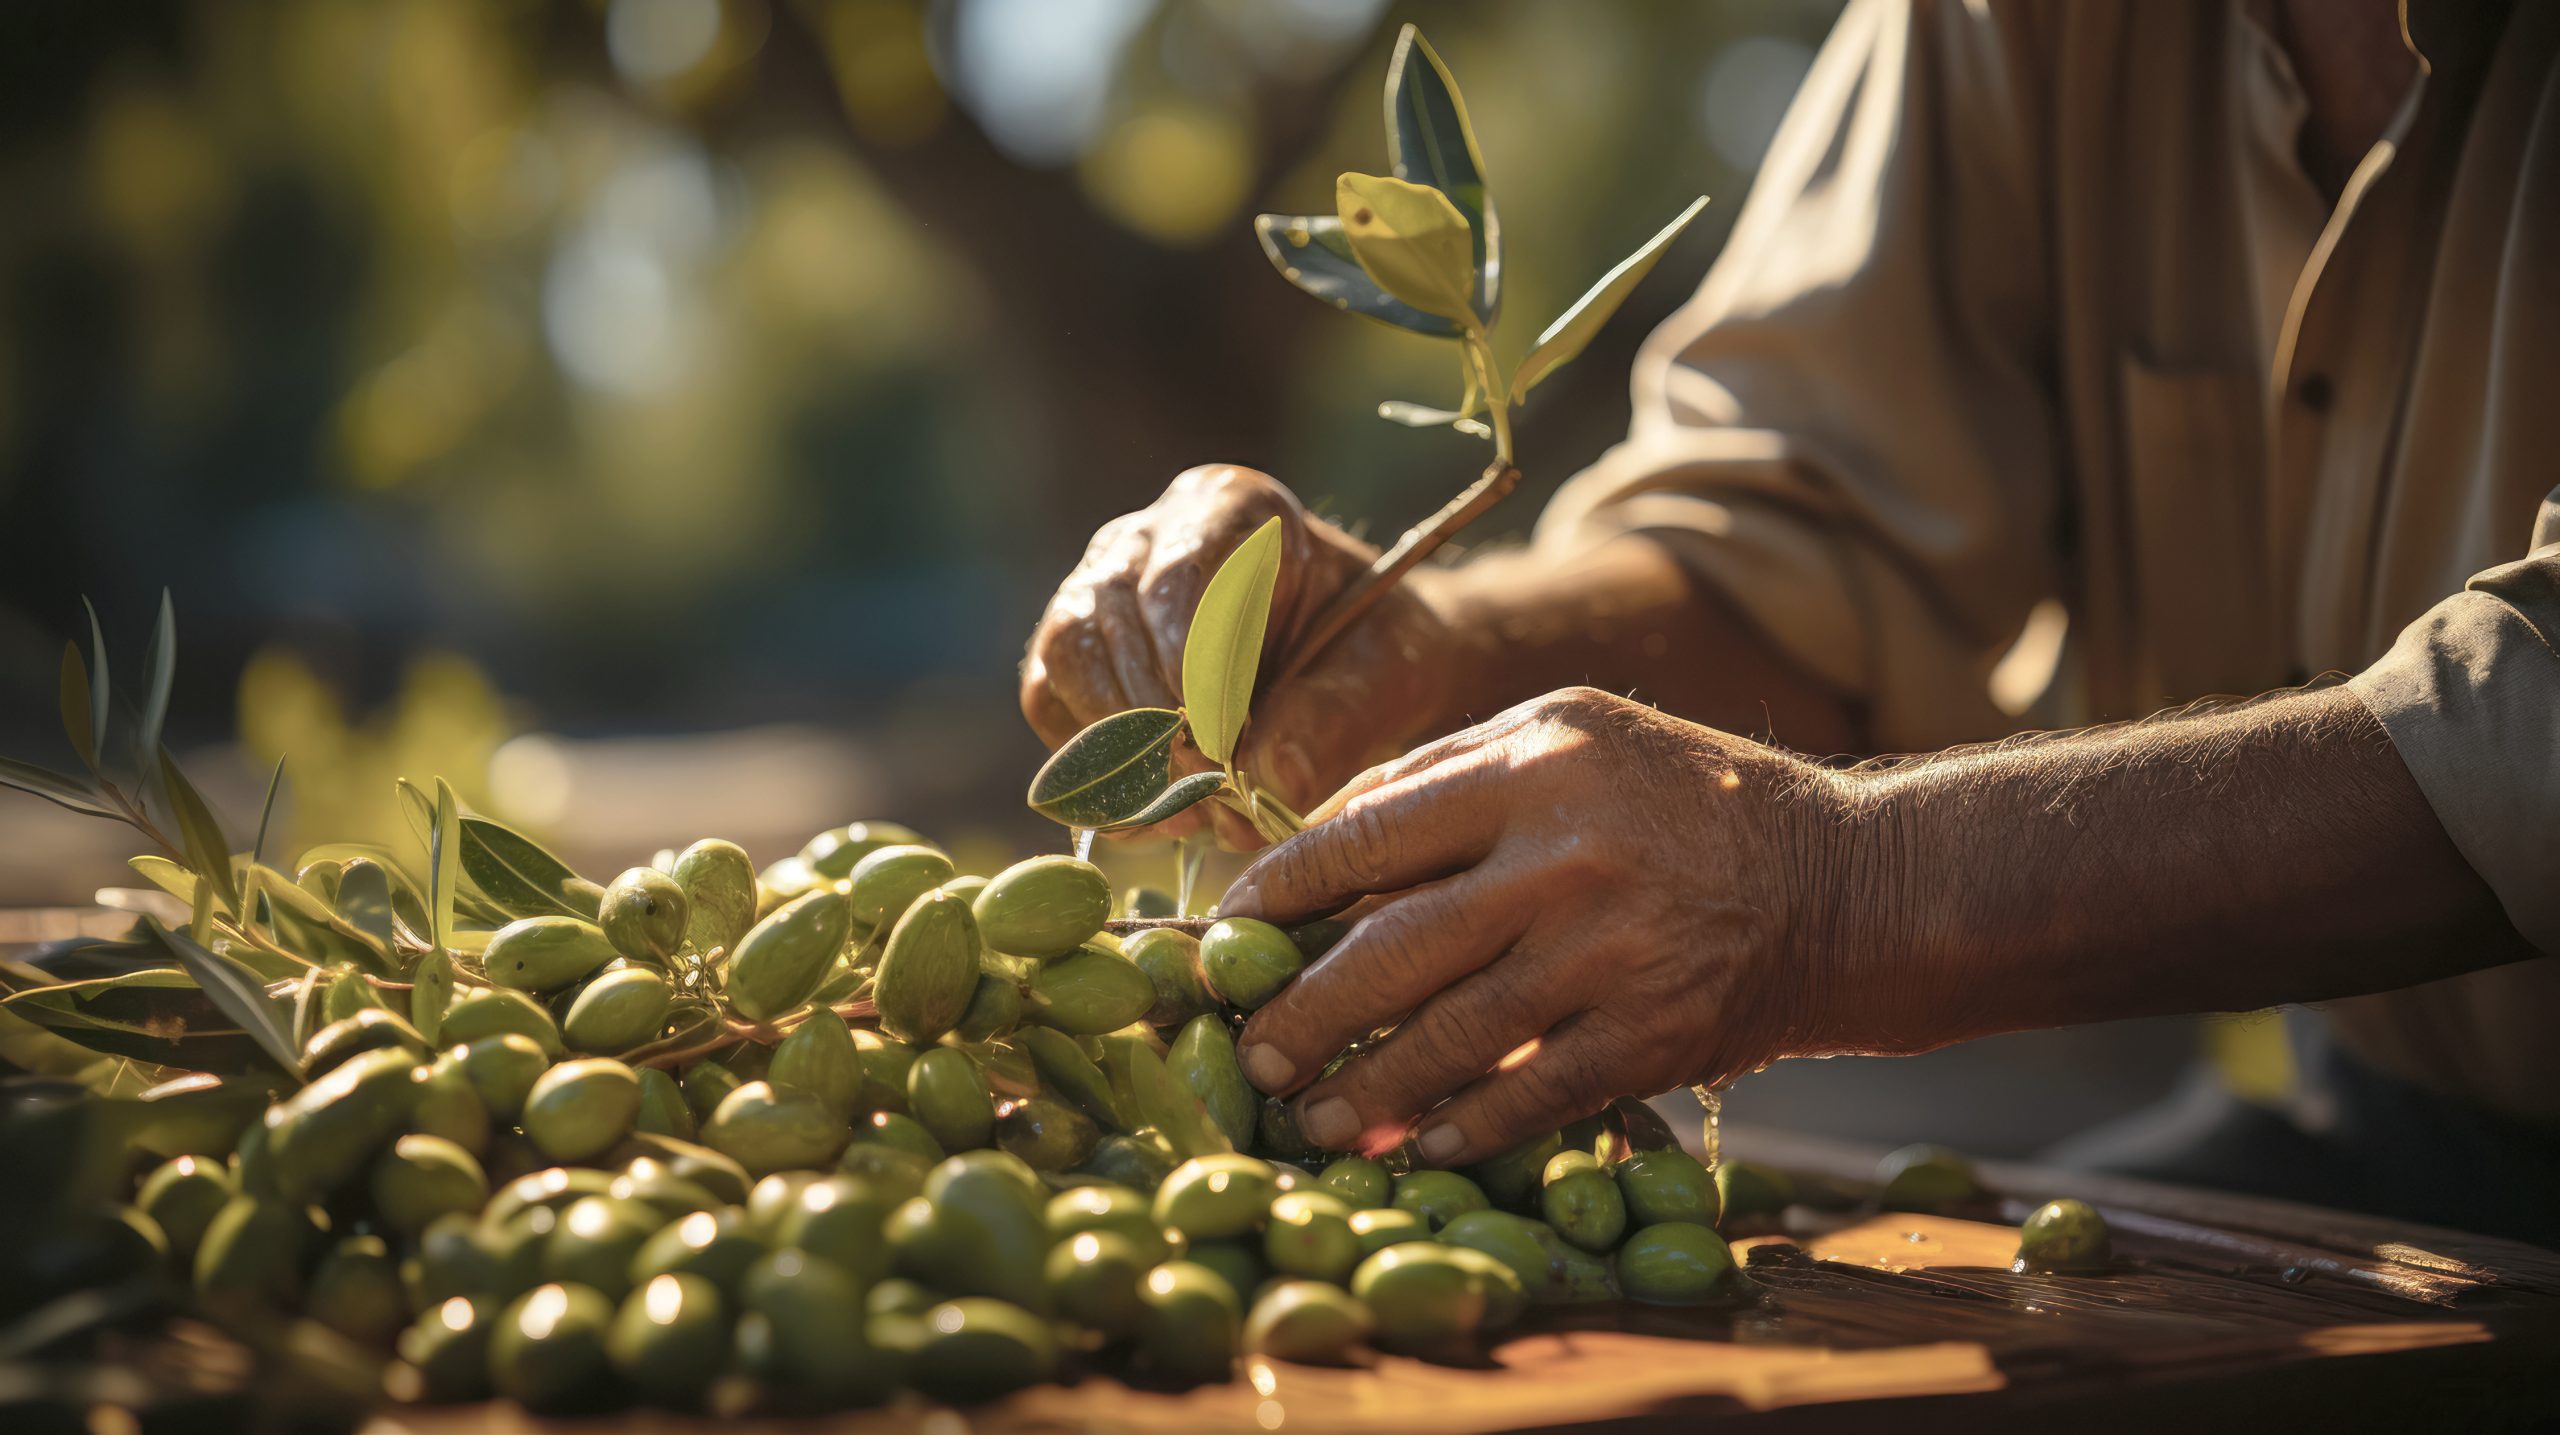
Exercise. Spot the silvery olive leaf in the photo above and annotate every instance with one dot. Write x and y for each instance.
(1110, 771)
(1432, 143)
(1183, 794)
(1312, 252)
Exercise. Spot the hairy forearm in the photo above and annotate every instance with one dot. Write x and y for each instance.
(1629, 617)
(2277, 852)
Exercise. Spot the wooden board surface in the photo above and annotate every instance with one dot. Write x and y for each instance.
(2218, 1307)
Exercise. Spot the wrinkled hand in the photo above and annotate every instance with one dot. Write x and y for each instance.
(1112, 640)
(1618, 887)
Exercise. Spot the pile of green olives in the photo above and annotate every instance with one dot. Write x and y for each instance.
(853, 1124)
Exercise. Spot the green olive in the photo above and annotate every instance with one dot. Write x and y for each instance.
(542, 954)
(579, 1109)
(899, 1296)
(547, 1352)
(1747, 1190)
(1116, 1209)
(1068, 1073)
(356, 1291)
(446, 1353)
(617, 1011)
(553, 1188)
(323, 1135)
(986, 1240)
(904, 1133)
(1424, 1300)
(1309, 1322)
(1048, 1134)
(502, 1069)
(1382, 1226)
(803, 1328)
(423, 1177)
(1043, 907)
(719, 882)
(453, 1259)
(371, 1029)
(1248, 962)
(644, 914)
(1566, 1162)
(1677, 1263)
(1438, 1197)
(1925, 1178)
(1506, 1293)
(250, 1260)
(834, 853)
(654, 1184)
(1511, 1180)
(928, 968)
(1362, 1184)
(1090, 991)
(1188, 1322)
(705, 1085)
(1211, 1197)
(767, 1128)
(1585, 1208)
(948, 1095)
(596, 1240)
(1237, 1261)
(885, 1064)
(977, 1349)
(1093, 1279)
(714, 1245)
(1140, 1162)
(1171, 960)
(670, 1339)
(888, 880)
(701, 1165)
(779, 963)
(484, 1012)
(2064, 1235)
(448, 1105)
(839, 1218)
(184, 1194)
(1310, 1235)
(819, 1057)
(1664, 1186)
(1203, 1062)
(663, 1111)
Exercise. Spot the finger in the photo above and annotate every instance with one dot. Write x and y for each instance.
(1128, 639)
(1040, 705)
(1391, 961)
(1430, 825)
(1451, 1040)
(1572, 1071)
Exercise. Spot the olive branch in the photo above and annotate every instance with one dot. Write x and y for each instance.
(1421, 250)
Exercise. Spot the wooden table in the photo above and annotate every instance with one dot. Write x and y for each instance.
(2222, 1312)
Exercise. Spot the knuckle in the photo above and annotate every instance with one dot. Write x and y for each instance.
(1390, 950)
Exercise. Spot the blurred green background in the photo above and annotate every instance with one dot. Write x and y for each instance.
(666, 418)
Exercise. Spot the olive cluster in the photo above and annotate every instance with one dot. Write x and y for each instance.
(857, 1123)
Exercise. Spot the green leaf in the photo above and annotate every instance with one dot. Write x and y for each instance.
(1108, 771)
(267, 813)
(236, 991)
(207, 851)
(1410, 239)
(168, 876)
(418, 807)
(431, 993)
(1182, 793)
(518, 876)
(444, 845)
(307, 926)
(364, 900)
(1432, 143)
(1159, 1101)
(1422, 416)
(159, 1015)
(75, 706)
(98, 694)
(159, 670)
(1573, 331)
(1312, 252)
(60, 789)
(1224, 651)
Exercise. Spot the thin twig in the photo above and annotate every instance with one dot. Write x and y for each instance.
(1418, 543)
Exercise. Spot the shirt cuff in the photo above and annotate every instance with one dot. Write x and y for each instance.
(2470, 694)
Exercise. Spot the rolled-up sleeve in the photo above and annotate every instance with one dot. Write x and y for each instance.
(2470, 694)
(1849, 431)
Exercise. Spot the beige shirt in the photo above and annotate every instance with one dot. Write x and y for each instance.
(2034, 323)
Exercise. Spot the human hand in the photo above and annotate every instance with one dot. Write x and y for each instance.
(1112, 640)
(1622, 889)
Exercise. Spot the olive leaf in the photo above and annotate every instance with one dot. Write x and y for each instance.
(518, 875)
(1161, 1102)
(60, 789)
(234, 990)
(1180, 795)
(1224, 650)
(1109, 771)
(156, 1014)
(1312, 252)
(1432, 143)
(1422, 416)
(206, 849)
(96, 745)
(431, 993)
(1573, 330)
(364, 900)
(306, 925)
(1412, 240)
(75, 706)
(159, 671)
(170, 877)
(266, 813)
(444, 844)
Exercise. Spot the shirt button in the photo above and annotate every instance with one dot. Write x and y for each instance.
(2314, 392)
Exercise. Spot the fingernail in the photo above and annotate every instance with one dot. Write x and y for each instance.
(1330, 1123)
(1265, 1067)
(1440, 1143)
(1240, 900)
